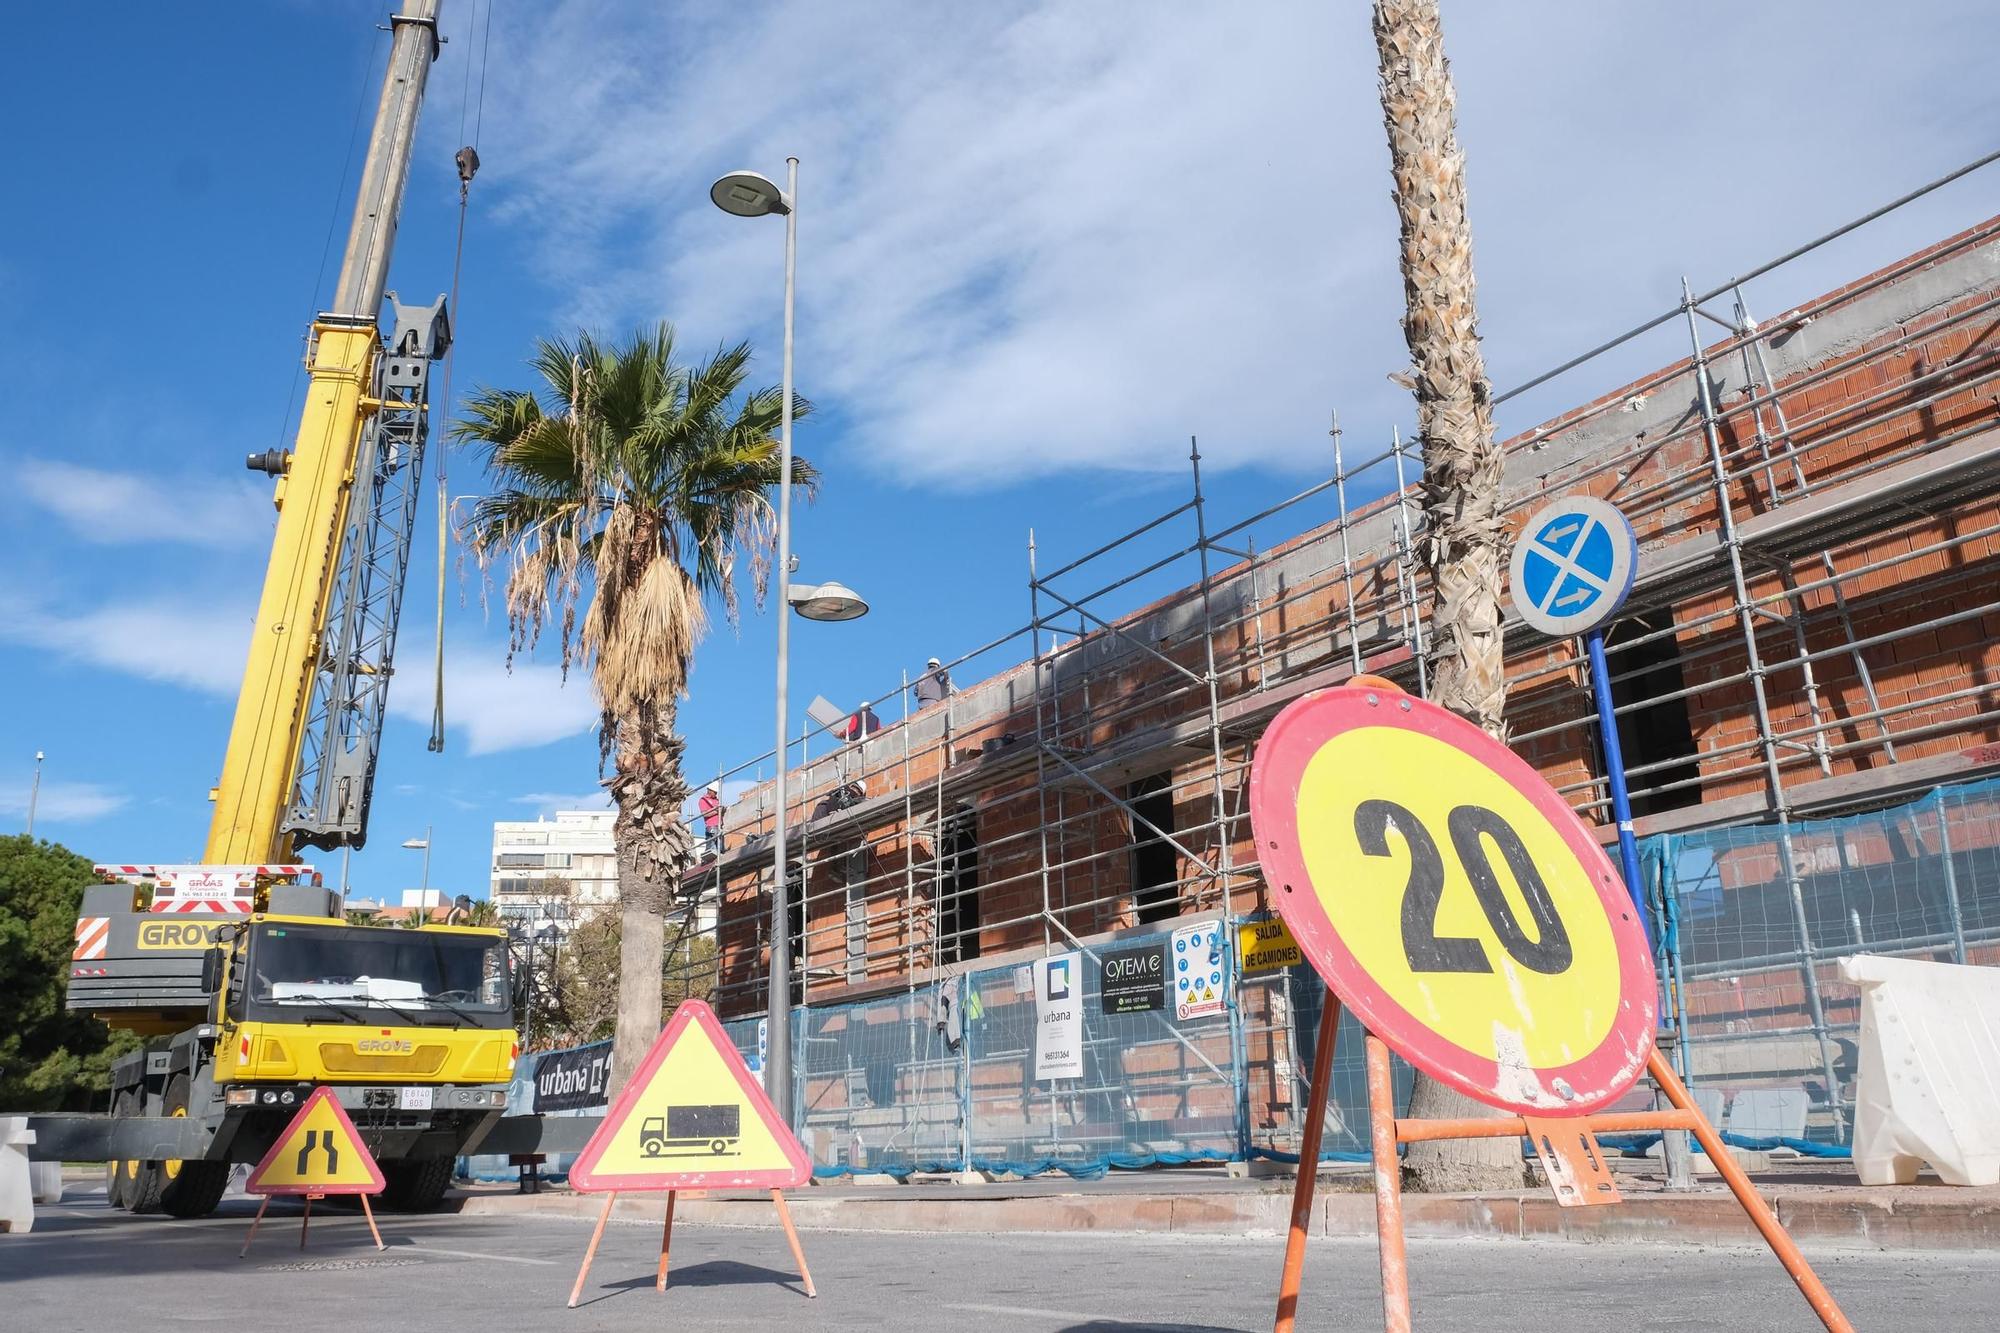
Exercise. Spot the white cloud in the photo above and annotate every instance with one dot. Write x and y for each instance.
(60, 802)
(197, 644)
(202, 646)
(111, 508)
(548, 802)
(493, 708)
(1036, 238)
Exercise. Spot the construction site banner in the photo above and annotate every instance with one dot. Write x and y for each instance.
(573, 1079)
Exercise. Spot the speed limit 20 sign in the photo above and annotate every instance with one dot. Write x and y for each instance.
(1453, 901)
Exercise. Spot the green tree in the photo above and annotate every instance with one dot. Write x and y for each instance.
(625, 490)
(50, 1059)
(484, 912)
(580, 981)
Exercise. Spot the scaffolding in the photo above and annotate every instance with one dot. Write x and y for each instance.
(1814, 494)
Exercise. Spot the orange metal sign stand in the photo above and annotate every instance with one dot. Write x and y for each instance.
(1386, 1133)
(666, 1240)
(305, 1221)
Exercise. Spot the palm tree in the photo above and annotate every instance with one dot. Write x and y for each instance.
(626, 488)
(1465, 531)
(483, 912)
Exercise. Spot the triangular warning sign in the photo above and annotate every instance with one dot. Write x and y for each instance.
(319, 1153)
(693, 1117)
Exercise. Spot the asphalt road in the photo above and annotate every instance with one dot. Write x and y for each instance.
(86, 1267)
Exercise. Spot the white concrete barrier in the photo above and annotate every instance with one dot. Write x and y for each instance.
(17, 1195)
(1928, 1088)
(45, 1181)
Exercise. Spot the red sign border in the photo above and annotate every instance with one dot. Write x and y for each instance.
(1291, 741)
(253, 1185)
(582, 1176)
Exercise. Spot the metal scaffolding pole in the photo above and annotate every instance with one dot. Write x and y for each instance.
(1222, 858)
(1748, 327)
(1747, 626)
(1346, 556)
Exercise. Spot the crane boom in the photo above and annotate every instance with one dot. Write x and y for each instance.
(301, 753)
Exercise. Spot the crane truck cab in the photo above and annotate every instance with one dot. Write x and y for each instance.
(412, 1029)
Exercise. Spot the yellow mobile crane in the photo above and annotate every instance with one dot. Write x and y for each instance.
(242, 967)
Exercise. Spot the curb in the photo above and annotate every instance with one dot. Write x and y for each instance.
(1832, 1219)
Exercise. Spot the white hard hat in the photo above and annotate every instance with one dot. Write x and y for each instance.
(714, 785)
(930, 661)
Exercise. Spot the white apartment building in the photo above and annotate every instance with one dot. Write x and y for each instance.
(554, 868)
(557, 869)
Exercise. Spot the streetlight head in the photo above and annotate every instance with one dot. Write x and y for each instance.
(748, 195)
(417, 844)
(828, 601)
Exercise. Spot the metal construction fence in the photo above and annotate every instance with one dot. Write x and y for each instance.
(1762, 915)
(1758, 918)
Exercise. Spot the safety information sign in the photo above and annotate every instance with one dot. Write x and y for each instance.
(319, 1153)
(1265, 946)
(1453, 900)
(1197, 964)
(1133, 981)
(692, 1118)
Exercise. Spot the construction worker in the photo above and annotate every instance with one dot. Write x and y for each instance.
(934, 686)
(861, 723)
(710, 809)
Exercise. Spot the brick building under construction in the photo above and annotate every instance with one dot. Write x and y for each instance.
(1804, 678)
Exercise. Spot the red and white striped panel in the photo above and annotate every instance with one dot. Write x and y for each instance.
(220, 906)
(93, 936)
(169, 874)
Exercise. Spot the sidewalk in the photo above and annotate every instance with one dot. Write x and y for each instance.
(1821, 1207)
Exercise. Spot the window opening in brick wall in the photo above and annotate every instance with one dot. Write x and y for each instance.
(1155, 864)
(958, 887)
(1658, 730)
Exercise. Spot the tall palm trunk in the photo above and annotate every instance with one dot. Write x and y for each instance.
(1463, 468)
(654, 850)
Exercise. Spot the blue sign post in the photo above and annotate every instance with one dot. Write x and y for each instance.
(1572, 570)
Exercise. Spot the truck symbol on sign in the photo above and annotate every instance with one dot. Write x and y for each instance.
(690, 1131)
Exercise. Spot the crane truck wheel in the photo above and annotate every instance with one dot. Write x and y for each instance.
(121, 1177)
(147, 1184)
(190, 1189)
(415, 1185)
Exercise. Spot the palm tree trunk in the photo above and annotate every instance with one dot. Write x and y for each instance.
(654, 850)
(1463, 546)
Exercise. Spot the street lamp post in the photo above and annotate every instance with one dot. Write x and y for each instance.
(747, 194)
(423, 844)
(35, 793)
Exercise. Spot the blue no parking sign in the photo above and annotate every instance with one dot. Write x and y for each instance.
(1573, 569)
(1573, 566)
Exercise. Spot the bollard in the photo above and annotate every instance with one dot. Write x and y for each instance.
(17, 1191)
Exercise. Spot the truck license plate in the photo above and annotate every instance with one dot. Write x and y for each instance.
(414, 1099)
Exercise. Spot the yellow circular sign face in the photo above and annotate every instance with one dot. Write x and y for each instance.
(1453, 900)
(1380, 880)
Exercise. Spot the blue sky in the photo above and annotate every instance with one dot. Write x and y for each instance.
(1040, 247)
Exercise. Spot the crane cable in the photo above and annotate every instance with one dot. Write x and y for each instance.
(467, 160)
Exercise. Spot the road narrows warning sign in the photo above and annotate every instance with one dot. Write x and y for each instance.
(693, 1117)
(320, 1152)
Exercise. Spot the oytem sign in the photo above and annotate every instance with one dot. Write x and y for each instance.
(1453, 900)
(1133, 981)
